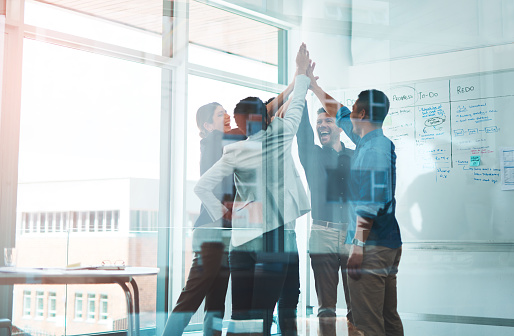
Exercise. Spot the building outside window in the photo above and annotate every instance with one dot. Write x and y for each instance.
(91, 221)
(58, 222)
(32, 223)
(78, 306)
(100, 220)
(75, 221)
(42, 223)
(27, 302)
(83, 219)
(104, 303)
(52, 304)
(91, 306)
(108, 219)
(116, 217)
(40, 304)
(50, 221)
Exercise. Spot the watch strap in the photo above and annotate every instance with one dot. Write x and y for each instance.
(357, 242)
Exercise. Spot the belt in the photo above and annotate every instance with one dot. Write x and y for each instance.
(337, 226)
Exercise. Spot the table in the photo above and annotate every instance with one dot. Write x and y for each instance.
(86, 275)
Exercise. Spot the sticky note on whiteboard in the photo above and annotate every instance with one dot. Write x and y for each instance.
(474, 161)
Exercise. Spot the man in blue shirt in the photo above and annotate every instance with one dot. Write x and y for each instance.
(374, 233)
(327, 170)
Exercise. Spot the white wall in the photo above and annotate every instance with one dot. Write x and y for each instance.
(399, 42)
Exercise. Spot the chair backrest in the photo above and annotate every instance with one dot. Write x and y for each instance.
(6, 323)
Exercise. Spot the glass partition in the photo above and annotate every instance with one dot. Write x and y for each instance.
(88, 186)
(135, 150)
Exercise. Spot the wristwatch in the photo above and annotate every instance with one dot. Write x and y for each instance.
(357, 242)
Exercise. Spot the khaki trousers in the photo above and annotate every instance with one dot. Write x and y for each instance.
(373, 297)
(329, 255)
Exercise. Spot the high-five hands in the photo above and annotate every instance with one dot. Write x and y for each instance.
(302, 60)
(310, 74)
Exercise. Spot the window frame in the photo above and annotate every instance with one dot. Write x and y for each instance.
(27, 304)
(91, 303)
(103, 315)
(78, 306)
(39, 312)
(174, 74)
(52, 311)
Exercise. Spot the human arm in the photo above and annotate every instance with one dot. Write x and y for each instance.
(282, 110)
(330, 105)
(335, 109)
(277, 104)
(305, 141)
(293, 115)
(357, 252)
(205, 187)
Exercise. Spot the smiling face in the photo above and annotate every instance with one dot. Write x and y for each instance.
(220, 121)
(328, 132)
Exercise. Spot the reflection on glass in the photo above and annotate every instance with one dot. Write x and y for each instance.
(232, 34)
(135, 26)
(89, 156)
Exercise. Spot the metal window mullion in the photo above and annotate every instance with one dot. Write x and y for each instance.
(250, 14)
(97, 47)
(232, 78)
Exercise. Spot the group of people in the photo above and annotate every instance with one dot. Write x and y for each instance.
(252, 194)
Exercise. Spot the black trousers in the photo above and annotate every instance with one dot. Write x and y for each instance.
(261, 279)
(208, 278)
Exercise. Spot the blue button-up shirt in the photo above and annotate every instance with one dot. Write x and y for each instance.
(372, 184)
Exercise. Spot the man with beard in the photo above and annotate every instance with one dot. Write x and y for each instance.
(327, 169)
(373, 231)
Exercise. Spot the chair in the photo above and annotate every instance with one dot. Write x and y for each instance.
(6, 323)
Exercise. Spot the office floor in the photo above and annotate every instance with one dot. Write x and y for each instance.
(306, 327)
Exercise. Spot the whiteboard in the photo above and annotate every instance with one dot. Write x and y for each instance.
(437, 126)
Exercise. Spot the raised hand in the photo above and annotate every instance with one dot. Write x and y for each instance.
(302, 60)
(310, 74)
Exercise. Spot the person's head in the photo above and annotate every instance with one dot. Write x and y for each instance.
(328, 132)
(212, 117)
(371, 107)
(248, 114)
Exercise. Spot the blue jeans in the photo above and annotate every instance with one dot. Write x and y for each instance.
(261, 278)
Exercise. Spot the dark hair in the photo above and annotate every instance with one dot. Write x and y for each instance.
(375, 103)
(269, 100)
(252, 106)
(204, 115)
(321, 110)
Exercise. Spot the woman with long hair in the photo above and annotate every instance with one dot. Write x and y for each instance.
(209, 273)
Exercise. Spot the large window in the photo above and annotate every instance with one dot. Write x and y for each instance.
(252, 49)
(100, 147)
(79, 306)
(40, 304)
(89, 151)
(109, 147)
(104, 307)
(91, 306)
(91, 134)
(52, 305)
(27, 303)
